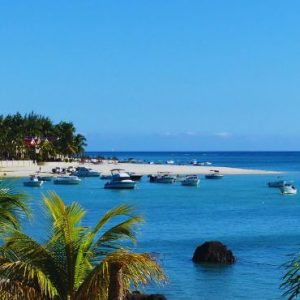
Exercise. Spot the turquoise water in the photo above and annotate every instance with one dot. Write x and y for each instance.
(257, 223)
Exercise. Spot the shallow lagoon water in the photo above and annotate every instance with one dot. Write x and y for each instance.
(257, 223)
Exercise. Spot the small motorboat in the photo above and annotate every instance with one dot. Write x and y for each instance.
(215, 174)
(33, 182)
(163, 178)
(277, 183)
(106, 177)
(288, 189)
(120, 180)
(45, 178)
(67, 180)
(180, 178)
(134, 176)
(86, 172)
(191, 180)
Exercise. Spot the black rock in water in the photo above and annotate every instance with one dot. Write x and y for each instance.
(138, 296)
(213, 252)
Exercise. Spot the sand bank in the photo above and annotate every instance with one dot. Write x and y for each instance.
(26, 168)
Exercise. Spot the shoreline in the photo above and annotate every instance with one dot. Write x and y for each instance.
(27, 168)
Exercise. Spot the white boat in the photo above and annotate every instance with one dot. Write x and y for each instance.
(33, 182)
(288, 189)
(191, 180)
(86, 172)
(67, 180)
(120, 180)
(215, 174)
(170, 162)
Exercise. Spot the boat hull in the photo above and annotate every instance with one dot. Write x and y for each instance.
(213, 176)
(64, 182)
(190, 182)
(33, 183)
(120, 185)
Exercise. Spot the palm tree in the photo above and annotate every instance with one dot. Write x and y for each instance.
(13, 205)
(291, 280)
(75, 262)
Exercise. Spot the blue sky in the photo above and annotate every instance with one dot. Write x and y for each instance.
(157, 75)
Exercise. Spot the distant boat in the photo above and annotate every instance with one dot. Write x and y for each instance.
(86, 172)
(180, 178)
(120, 180)
(45, 178)
(191, 180)
(163, 178)
(33, 182)
(135, 176)
(288, 189)
(170, 162)
(106, 177)
(67, 180)
(215, 174)
(277, 183)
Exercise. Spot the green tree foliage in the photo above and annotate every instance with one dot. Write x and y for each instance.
(291, 280)
(54, 140)
(13, 205)
(74, 262)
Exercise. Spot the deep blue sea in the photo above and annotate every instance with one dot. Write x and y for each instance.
(257, 223)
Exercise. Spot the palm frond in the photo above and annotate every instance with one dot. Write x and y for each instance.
(13, 205)
(291, 280)
(26, 277)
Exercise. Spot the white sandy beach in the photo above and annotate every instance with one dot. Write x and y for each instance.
(26, 168)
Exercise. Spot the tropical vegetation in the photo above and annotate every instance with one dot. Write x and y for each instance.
(13, 205)
(75, 261)
(36, 137)
(291, 279)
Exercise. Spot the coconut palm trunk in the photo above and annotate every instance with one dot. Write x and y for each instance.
(115, 288)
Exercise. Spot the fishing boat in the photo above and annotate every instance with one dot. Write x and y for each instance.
(33, 182)
(191, 180)
(215, 174)
(163, 177)
(288, 189)
(67, 180)
(86, 172)
(120, 180)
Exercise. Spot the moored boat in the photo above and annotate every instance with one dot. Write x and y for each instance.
(288, 189)
(277, 183)
(33, 182)
(120, 180)
(45, 178)
(215, 174)
(86, 172)
(106, 177)
(191, 180)
(163, 177)
(135, 176)
(67, 180)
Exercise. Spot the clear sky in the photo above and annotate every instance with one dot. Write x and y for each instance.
(157, 75)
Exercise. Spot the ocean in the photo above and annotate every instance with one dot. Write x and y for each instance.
(257, 223)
